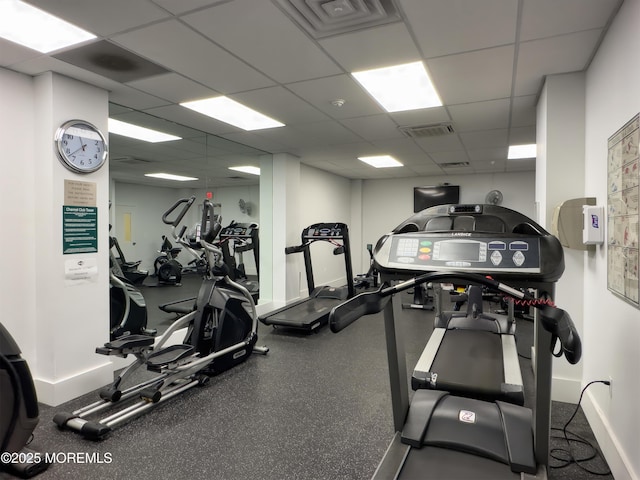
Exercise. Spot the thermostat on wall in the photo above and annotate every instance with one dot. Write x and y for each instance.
(593, 225)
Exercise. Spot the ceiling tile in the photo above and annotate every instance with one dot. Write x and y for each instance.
(473, 76)
(522, 135)
(485, 138)
(374, 127)
(537, 58)
(522, 165)
(444, 143)
(281, 104)
(181, 6)
(124, 95)
(192, 56)
(547, 18)
(450, 157)
(422, 116)
(264, 37)
(173, 87)
(322, 91)
(486, 115)
(523, 111)
(372, 48)
(11, 53)
(488, 154)
(103, 18)
(453, 26)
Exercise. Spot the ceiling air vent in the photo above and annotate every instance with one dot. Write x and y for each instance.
(324, 18)
(425, 131)
(454, 164)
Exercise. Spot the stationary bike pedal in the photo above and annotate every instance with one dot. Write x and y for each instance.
(202, 380)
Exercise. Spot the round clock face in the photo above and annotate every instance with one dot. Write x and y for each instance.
(81, 146)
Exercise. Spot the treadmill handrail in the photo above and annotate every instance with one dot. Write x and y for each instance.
(553, 319)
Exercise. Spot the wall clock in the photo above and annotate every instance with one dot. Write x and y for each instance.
(81, 146)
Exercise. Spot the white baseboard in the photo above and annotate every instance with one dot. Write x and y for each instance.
(54, 393)
(617, 459)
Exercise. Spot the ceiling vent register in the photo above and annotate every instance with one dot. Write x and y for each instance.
(425, 131)
(325, 18)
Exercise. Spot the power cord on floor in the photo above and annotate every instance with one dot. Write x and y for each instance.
(566, 456)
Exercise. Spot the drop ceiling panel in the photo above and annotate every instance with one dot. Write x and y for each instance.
(181, 6)
(322, 91)
(264, 37)
(444, 143)
(485, 115)
(104, 18)
(373, 48)
(454, 26)
(522, 135)
(173, 87)
(429, 170)
(473, 76)
(193, 56)
(487, 154)
(485, 138)
(256, 141)
(547, 18)
(566, 53)
(281, 104)
(523, 165)
(374, 127)
(125, 95)
(193, 119)
(523, 111)
(422, 116)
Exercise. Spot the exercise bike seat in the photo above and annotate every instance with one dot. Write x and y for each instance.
(126, 344)
(167, 356)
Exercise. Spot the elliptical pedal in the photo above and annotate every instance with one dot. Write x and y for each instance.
(167, 357)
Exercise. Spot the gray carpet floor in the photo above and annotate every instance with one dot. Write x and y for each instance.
(317, 407)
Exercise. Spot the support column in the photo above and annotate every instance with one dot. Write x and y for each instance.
(560, 176)
(279, 227)
(72, 316)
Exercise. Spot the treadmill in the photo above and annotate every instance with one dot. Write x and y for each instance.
(243, 238)
(312, 312)
(472, 353)
(440, 434)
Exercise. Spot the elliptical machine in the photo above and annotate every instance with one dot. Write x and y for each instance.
(19, 412)
(220, 333)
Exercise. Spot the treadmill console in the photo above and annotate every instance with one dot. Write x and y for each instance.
(487, 239)
(325, 231)
(239, 230)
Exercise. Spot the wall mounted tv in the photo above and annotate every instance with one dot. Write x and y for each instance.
(425, 197)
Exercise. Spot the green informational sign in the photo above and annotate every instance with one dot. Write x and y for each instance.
(79, 229)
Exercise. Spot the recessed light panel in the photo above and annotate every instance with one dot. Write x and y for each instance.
(170, 176)
(381, 161)
(522, 151)
(141, 133)
(246, 169)
(33, 28)
(231, 112)
(400, 88)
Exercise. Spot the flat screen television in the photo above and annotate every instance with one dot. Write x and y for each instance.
(429, 196)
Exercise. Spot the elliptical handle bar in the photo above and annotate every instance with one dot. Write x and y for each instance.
(186, 204)
(554, 320)
(209, 230)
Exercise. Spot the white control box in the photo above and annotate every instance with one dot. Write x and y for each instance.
(593, 225)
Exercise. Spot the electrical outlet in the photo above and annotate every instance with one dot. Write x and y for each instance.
(610, 387)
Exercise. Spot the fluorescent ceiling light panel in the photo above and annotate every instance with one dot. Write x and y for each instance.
(33, 28)
(141, 133)
(170, 176)
(231, 112)
(247, 169)
(521, 151)
(381, 161)
(400, 88)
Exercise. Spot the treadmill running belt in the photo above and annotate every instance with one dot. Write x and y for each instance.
(307, 312)
(470, 362)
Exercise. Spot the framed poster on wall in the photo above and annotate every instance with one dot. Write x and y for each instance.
(623, 169)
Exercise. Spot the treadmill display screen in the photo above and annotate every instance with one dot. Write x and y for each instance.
(469, 251)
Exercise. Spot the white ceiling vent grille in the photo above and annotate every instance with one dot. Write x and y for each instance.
(324, 18)
(454, 164)
(425, 131)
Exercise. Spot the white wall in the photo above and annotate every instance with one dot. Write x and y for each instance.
(324, 197)
(386, 203)
(611, 326)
